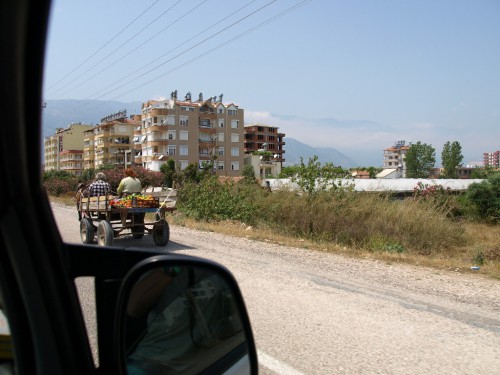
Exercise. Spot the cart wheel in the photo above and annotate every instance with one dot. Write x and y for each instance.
(161, 233)
(86, 230)
(104, 234)
(138, 232)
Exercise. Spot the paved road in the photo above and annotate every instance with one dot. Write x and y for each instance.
(318, 313)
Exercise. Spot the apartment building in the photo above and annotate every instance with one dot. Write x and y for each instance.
(491, 159)
(110, 142)
(190, 131)
(63, 151)
(394, 159)
(260, 136)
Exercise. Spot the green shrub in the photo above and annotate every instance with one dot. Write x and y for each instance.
(485, 198)
(213, 200)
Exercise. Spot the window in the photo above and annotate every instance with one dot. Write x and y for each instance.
(171, 120)
(232, 112)
(220, 110)
(155, 119)
(183, 120)
(235, 137)
(171, 134)
(220, 165)
(171, 150)
(220, 151)
(221, 123)
(183, 135)
(235, 151)
(234, 124)
(183, 164)
(235, 165)
(183, 150)
(220, 137)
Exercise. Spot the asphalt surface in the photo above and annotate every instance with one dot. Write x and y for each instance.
(319, 313)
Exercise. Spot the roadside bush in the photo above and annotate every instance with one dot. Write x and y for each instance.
(485, 199)
(213, 200)
(60, 186)
(55, 175)
(438, 198)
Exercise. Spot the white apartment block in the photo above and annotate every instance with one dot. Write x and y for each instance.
(190, 131)
(394, 159)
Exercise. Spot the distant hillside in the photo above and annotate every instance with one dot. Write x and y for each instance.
(61, 113)
(295, 149)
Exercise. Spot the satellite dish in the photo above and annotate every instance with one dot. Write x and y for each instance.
(276, 156)
(260, 157)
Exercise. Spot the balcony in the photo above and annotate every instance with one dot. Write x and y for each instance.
(158, 127)
(158, 142)
(205, 123)
(207, 140)
(103, 144)
(104, 133)
(158, 112)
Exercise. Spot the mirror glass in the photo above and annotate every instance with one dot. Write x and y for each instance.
(183, 320)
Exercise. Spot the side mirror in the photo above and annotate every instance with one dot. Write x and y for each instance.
(183, 315)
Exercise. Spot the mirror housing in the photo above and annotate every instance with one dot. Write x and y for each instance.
(182, 315)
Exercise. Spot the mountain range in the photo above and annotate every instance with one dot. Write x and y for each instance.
(61, 113)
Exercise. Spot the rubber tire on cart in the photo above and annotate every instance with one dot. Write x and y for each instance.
(86, 230)
(161, 233)
(105, 234)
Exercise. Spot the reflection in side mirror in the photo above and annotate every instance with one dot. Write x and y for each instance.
(183, 317)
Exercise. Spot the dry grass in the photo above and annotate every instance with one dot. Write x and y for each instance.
(472, 242)
(457, 259)
(67, 199)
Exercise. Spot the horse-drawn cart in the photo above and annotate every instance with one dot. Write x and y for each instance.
(105, 218)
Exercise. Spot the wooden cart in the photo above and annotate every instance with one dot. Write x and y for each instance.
(102, 222)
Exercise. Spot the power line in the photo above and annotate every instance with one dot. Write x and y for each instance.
(120, 46)
(269, 20)
(190, 48)
(166, 53)
(142, 44)
(104, 45)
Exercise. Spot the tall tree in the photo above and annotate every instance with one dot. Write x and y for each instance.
(451, 158)
(420, 158)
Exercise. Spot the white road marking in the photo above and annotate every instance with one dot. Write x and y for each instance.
(274, 365)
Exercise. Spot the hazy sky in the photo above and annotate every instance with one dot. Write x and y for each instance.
(353, 75)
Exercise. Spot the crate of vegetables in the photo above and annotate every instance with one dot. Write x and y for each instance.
(136, 201)
(145, 201)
